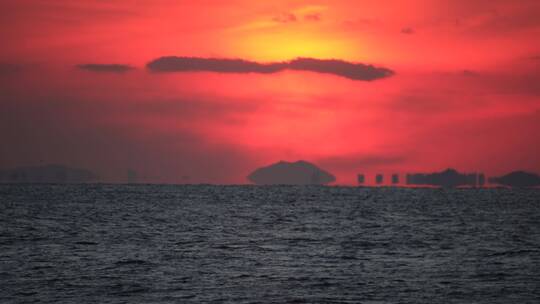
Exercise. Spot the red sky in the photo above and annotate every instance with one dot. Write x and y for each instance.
(465, 93)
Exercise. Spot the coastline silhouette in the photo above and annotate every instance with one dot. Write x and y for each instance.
(517, 179)
(286, 173)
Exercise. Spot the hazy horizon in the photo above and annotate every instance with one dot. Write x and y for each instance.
(206, 93)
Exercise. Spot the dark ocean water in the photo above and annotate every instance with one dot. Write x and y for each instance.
(249, 244)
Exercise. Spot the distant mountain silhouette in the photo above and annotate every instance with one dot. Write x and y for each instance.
(287, 173)
(46, 174)
(449, 178)
(518, 179)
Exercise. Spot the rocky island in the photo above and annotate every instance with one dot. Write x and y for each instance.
(291, 173)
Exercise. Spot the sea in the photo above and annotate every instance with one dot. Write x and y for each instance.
(267, 244)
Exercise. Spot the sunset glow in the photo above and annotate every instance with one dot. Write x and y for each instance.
(76, 87)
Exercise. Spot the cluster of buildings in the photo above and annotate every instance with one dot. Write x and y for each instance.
(451, 178)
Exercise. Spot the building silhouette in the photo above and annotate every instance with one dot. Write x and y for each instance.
(449, 178)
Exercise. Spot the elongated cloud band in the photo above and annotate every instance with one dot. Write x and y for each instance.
(354, 71)
(105, 68)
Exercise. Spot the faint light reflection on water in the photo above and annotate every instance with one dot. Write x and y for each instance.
(246, 244)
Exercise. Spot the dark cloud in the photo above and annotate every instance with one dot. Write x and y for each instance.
(105, 68)
(354, 71)
(193, 64)
(407, 30)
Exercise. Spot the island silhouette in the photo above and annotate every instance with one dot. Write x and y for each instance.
(517, 179)
(291, 173)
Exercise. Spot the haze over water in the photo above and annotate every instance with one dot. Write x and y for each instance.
(267, 244)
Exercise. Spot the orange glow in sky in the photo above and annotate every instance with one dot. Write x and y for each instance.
(464, 92)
